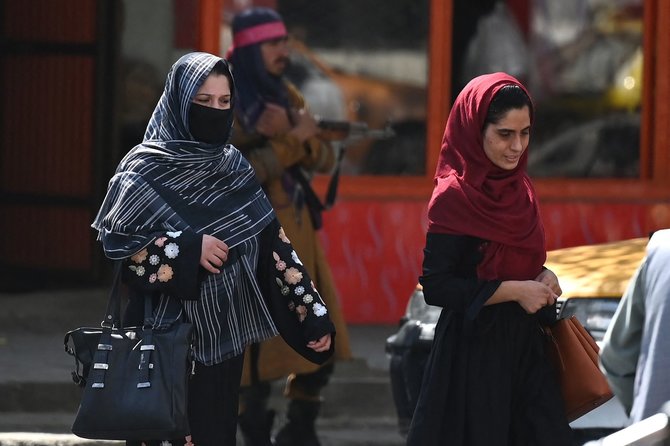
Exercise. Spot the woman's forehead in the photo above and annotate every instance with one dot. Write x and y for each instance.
(215, 84)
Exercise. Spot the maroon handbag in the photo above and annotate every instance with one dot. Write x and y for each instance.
(574, 355)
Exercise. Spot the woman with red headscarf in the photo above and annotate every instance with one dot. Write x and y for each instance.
(487, 380)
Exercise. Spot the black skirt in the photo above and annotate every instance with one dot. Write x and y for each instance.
(488, 383)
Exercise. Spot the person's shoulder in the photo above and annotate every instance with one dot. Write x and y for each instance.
(659, 244)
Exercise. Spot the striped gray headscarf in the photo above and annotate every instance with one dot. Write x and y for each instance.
(172, 182)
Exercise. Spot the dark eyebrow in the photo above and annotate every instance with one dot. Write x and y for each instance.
(211, 94)
(504, 129)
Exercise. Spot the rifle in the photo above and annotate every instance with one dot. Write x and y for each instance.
(349, 131)
(346, 132)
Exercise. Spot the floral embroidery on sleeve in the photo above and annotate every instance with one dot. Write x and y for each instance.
(164, 273)
(294, 283)
(282, 236)
(292, 276)
(140, 256)
(157, 269)
(302, 312)
(172, 250)
(280, 265)
(319, 309)
(295, 258)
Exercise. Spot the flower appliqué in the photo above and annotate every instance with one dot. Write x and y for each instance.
(173, 234)
(282, 236)
(302, 312)
(299, 290)
(319, 309)
(152, 278)
(140, 256)
(280, 265)
(139, 270)
(171, 250)
(295, 257)
(160, 241)
(284, 289)
(292, 276)
(165, 273)
(154, 259)
(308, 298)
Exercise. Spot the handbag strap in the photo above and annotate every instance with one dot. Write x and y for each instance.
(112, 323)
(112, 319)
(147, 346)
(101, 358)
(113, 312)
(552, 339)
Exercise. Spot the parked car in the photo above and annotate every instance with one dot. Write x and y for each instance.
(593, 279)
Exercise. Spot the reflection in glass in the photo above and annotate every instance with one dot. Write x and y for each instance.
(582, 61)
(359, 62)
(587, 81)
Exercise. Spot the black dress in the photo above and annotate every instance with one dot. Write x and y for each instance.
(487, 380)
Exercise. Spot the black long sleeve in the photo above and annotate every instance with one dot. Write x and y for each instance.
(449, 276)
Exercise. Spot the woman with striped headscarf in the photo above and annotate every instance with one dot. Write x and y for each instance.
(192, 226)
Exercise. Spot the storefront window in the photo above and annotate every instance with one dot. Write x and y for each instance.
(582, 61)
(365, 62)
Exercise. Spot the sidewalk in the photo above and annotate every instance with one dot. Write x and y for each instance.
(39, 399)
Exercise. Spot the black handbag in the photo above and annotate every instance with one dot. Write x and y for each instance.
(135, 379)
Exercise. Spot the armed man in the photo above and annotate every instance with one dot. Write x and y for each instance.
(279, 136)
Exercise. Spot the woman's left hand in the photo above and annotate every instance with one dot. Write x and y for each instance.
(548, 278)
(321, 345)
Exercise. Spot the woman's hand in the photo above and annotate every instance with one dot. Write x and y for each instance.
(213, 254)
(321, 345)
(535, 295)
(548, 278)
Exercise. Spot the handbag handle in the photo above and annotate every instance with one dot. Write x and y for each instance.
(550, 336)
(113, 312)
(113, 320)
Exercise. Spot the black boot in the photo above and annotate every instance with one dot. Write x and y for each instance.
(255, 420)
(256, 428)
(300, 430)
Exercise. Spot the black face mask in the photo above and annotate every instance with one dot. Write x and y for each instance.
(210, 125)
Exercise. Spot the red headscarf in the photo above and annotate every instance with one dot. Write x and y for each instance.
(474, 197)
